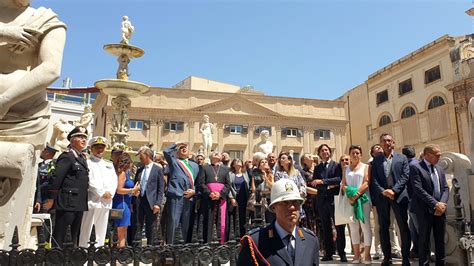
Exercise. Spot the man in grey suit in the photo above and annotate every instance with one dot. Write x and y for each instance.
(389, 177)
(181, 191)
(152, 185)
(430, 200)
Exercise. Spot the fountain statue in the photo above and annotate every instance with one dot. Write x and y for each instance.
(31, 48)
(264, 145)
(207, 129)
(459, 240)
(59, 137)
(86, 119)
(121, 88)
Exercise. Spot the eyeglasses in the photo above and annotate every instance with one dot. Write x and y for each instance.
(289, 203)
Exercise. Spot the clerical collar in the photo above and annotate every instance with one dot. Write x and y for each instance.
(282, 232)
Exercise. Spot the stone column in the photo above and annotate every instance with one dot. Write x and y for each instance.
(220, 136)
(154, 132)
(160, 123)
(306, 139)
(278, 144)
(191, 132)
(250, 142)
(338, 143)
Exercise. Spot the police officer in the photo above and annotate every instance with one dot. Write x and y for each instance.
(68, 191)
(102, 187)
(282, 242)
(45, 169)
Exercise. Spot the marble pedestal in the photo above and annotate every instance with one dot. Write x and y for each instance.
(17, 187)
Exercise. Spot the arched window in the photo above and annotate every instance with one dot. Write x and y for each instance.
(435, 102)
(384, 120)
(408, 111)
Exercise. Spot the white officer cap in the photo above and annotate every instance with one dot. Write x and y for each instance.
(284, 190)
(98, 140)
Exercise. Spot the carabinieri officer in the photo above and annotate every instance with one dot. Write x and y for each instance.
(68, 191)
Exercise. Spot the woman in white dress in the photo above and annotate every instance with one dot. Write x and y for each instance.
(355, 183)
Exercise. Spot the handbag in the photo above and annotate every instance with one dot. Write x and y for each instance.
(251, 203)
(116, 213)
(343, 210)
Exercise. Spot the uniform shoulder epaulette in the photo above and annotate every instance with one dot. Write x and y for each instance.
(253, 231)
(308, 231)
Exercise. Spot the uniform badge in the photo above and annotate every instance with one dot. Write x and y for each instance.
(270, 233)
(288, 187)
(300, 233)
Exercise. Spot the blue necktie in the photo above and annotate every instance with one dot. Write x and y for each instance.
(435, 179)
(143, 182)
(289, 247)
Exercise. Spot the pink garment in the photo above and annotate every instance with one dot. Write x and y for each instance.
(217, 187)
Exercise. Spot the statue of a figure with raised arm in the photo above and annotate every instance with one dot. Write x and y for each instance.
(264, 145)
(127, 30)
(207, 129)
(31, 49)
(86, 119)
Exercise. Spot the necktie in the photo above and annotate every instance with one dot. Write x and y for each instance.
(434, 178)
(289, 247)
(388, 173)
(143, 182)
(325, 164)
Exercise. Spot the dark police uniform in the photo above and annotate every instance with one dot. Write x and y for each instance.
(69, 186)
(273, 250)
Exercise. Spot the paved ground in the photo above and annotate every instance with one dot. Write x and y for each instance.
(350, 256)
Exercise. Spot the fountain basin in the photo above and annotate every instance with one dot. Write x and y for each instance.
(118, 87)
(118, 49)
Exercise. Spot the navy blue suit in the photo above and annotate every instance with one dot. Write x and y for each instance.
(400, 173)
(424, 202)
(154, 195)
(179, 209)
(324, 206)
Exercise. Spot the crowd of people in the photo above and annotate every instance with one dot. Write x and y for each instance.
(176, 188)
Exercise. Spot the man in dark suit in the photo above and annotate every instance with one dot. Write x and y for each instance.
(389, 177)
(430, 200)
(282, 242)
(181, 191)
(326, 179)
(68, 190)
(214, 186)
(152, 186)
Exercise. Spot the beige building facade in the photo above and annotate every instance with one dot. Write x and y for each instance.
(166, 115)
(413, 99)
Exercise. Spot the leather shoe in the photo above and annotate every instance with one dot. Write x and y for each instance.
(343, 258)
(386, 262)
(326, 258)
(406, 262)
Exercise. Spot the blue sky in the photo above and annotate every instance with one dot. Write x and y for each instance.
(307, 49)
